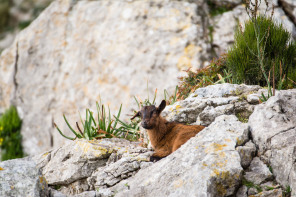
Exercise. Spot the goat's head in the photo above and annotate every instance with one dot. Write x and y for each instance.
(150, 115)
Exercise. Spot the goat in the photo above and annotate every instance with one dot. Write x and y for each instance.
(165, 137)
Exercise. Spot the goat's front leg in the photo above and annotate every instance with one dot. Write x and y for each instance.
(158, 155)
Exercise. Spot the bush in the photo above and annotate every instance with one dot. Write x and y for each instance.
(10, 135)
(262, 36)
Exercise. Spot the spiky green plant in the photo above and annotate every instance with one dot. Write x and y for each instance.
(104, 127)
(10, 135)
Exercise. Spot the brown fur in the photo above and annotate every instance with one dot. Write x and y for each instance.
(165, 137)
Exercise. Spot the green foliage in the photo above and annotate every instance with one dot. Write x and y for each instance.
(214, 73)
(170, 99)
(262, 45)
(4, 14)
(287, 191)
(250, 184)
(104, 127)
(10, 135)
(215, 9)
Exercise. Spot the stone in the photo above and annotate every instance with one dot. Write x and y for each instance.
(258, 172)
(205, 104)
(272, 193)
(21, 177)
(79, 159)
(85, 165)
(242, 191)
(211, 165)
(246, 152)
(273, 130)
(252, 191)
(77, 52)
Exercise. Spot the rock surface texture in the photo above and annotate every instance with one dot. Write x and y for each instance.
(205, 104)
(228, 158)
(21, 177)
(210, 165)
(77, 51)
(273, 128)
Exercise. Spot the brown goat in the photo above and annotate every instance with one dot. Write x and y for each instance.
(165, 137)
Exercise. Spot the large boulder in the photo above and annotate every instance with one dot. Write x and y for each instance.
(83, 165)
(21, 177)
(273, 128)
(77, 51)
(207, 165)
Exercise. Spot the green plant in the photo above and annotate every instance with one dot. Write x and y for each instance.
(287, 191)
(250, 184)
(131, 130)
(268, 188)
(261, 48)
(10, 135)
(217, 9)
(170, 99)
(105, 127)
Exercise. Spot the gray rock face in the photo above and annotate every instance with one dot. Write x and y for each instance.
(258, 172)
(77, 51)
(242, 191)
(246, 153)
(205, 104)
(211, 165)
(21, 177)
(83, 165)
(273, 128)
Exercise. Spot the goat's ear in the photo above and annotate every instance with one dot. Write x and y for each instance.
(161, 106)
(136, 115)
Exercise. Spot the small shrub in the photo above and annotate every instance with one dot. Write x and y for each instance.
(262, 49)
(10, 135)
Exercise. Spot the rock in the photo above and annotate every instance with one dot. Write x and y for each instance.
(205, 104)
(75, 161)
(211, 165)
(55, 193)
(84, 165)
(242, 191)
(21, 177)
(82, 50)
(258, 172)
(246, 152)
(79, 159)
(270, 186)
(273, 128)
(114, 173)
(252, 191)
(272, 193)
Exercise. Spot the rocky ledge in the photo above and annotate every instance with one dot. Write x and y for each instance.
(247, 149)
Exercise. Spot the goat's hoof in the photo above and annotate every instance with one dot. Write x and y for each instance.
(155, 158)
